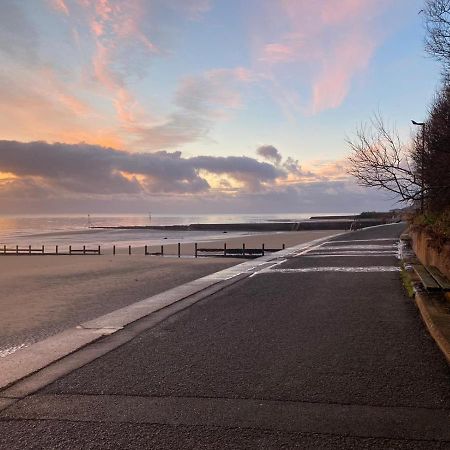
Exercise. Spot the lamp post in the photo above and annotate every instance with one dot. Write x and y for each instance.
(422, 183)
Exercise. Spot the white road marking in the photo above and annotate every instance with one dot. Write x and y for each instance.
(337, 269)
(362, 240)
(358, 247)
(354, 252)
(10, 350)
(354, 255)
(268, 268)
(311, 249)
(327, 249)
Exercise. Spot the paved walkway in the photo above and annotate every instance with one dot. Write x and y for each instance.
(323, 350)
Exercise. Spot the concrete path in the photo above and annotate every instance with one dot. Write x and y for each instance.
(320, 350)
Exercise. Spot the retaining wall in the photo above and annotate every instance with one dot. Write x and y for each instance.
(429, 253)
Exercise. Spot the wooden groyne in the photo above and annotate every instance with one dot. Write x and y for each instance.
(239, 252)
(53, 250)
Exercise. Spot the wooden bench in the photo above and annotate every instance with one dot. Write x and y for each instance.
(443, 282)
(431, 278)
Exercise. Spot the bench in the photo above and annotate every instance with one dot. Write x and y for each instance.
(431, 278)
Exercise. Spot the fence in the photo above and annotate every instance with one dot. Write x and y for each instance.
(240, 252)
(29, 250)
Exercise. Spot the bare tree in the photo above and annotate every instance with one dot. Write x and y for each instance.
(379, 160)
(421, 171)
(435, 159)
(437, 24)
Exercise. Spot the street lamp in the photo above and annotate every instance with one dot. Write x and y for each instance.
(422, 184)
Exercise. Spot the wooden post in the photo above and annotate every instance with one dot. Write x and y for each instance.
(4, 249)
(84, 249)
(145, 251)
(243, 249)
(70, 249)
(17, 249)
(179, 249)
(43, 250)
(196, 249)
(162, 250)
(114, 249)
(56, 249)
(129, 249)
(99, 250)
(224, 249)
(284, 246)
(29, 249)
(263, 249)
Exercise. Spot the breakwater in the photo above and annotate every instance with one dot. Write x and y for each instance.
(306, 225)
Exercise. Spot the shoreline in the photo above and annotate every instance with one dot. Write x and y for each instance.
(271, 240)
(41, 297)
(331, 223)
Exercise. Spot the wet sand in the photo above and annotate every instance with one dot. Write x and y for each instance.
(42, 295)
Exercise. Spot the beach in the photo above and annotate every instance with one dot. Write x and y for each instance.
(43, 295)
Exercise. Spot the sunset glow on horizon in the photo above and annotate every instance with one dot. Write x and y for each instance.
(200, 105)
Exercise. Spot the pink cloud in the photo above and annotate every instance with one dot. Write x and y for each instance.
(97, 28)
(329, 169)
(116, 26)
(329, 42)
(126, 34)
(275, 53)
(60, 6)
(215, 91)
(38, 105)
(332, 85)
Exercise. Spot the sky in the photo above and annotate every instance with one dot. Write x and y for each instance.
(201, 106)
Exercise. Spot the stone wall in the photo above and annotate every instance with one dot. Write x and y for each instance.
(429, 253)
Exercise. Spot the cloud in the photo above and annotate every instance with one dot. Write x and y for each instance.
(213, 92)
(88, 169)
(127, 36)
(270, 153)
(277, 53)
(83, 89)
(330, 169)
(290, 170)
(42, 177)
(37, 104)
(60, 6)
(325, 43)
(199, 101)
(122, 47)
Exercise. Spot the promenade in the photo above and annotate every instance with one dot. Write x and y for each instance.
(320, 349)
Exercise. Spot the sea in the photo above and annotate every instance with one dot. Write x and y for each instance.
(75, 229)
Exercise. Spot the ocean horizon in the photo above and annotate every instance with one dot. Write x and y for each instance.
(74, 228)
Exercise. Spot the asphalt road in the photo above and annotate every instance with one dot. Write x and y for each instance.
(321, 351)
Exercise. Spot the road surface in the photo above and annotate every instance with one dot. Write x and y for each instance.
(323, 350)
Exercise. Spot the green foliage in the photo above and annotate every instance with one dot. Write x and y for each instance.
(437, 224)
(406, 280)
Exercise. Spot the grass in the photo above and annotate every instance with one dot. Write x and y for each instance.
(407, 283)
